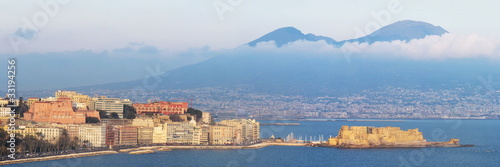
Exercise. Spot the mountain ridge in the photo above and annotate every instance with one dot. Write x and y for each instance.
(404, 30)
(302, 73)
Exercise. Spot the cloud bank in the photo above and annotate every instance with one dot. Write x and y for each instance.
(85, 67)
(429, 48)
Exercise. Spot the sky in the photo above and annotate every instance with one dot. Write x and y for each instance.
(67, 43)
(178, 25)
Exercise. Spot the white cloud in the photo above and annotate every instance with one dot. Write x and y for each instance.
(431, 47)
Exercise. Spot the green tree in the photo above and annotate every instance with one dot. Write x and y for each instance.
(114, 115)
(63, 143)
(91, 120)
(103, 114)
(129, 112)
(196, 112)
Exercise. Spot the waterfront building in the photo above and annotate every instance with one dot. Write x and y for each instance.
(161, 107)
(160, 134)
(221, 135)
(145, 135)
(205, 134)
(112, 138)
(72, 130)
(127, 135)
(183, 132)
(110, 105)
(50, 135)
(60, 111)
(245, 130)
(117, 121)
(94, 135)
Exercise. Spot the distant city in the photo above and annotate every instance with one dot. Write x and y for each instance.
(389, 103)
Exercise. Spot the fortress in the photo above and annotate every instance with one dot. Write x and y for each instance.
(60, 111)
(367, 137)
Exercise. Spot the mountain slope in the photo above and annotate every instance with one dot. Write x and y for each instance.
(405, 30)
(286, 35)
(306, 74)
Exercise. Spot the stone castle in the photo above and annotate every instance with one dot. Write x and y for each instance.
(365, 136)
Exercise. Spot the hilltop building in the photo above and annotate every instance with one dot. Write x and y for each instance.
(79, 100)
(110, 105)
(32, 100)
(161, 107)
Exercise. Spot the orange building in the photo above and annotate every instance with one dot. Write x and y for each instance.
(60, 111)
(161, 107)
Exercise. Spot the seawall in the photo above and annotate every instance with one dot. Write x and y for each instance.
(56, 157)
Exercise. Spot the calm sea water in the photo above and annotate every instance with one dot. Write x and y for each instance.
(482, 133)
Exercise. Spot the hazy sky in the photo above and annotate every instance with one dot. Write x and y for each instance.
(177, 25)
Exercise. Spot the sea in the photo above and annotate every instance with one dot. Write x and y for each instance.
(484, 134)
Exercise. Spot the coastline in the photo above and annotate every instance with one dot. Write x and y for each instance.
(169, 148)
(56, 157)
(158, 148)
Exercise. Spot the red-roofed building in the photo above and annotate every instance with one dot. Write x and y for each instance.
(60, 111)
(161, 107)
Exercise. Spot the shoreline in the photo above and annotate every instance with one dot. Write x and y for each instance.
(56, 157)
(169, 148)
(156, 148)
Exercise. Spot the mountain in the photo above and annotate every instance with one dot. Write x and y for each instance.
(286, 35)
(306, 74)
(405, 30)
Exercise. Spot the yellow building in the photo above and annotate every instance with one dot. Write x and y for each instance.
(4, 102)
(160, 134)
(145, 121)
(145, 135)
(32, 100)
(205, 133)
(48, 134)
(364, 136)
(221, 135)
(5, 112)
(206, 118)
(81, 101)
(245, 130)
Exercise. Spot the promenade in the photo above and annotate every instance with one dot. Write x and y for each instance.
(157, 148)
